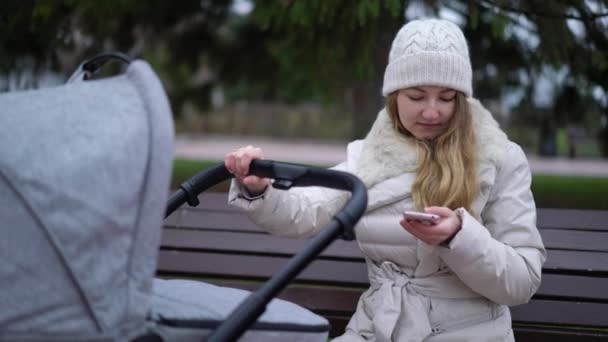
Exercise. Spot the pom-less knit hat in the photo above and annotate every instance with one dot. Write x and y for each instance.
(430, 52)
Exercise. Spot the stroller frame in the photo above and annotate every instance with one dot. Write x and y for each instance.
(286, 176)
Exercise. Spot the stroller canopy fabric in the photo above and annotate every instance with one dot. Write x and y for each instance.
(84, 177)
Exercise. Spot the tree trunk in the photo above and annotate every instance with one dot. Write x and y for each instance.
(603, 135)
(366, 98)
(363, 101)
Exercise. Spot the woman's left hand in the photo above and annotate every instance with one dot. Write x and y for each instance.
(434, 234)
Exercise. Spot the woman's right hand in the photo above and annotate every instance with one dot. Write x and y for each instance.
(237, 163)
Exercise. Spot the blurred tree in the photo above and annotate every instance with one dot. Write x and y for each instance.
(29, 32)
(570, 34)
(341, 47)
(315, 50)
(336, 50)
(182, 39)
(289, 50)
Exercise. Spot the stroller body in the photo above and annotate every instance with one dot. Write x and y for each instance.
(84, 179)
(84, 173)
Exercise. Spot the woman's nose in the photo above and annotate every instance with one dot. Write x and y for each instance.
(431, 111)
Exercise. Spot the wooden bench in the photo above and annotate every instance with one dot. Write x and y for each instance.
(218, 244)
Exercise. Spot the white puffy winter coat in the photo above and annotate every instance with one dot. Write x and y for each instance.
(420, 292)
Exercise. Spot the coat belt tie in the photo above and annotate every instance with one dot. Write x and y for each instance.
(398, 301)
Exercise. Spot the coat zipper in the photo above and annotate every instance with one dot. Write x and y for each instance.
(438, 330)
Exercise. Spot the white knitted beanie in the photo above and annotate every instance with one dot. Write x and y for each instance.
(430, 52)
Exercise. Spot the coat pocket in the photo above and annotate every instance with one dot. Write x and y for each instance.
(451, 314)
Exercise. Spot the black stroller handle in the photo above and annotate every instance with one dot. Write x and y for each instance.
(90, 67)
(285, 176)
(94, 64)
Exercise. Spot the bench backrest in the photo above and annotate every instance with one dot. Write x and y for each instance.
(219, 243)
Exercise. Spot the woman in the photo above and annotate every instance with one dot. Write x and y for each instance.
(433, 148)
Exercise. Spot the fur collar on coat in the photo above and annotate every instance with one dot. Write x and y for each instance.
(387, 153)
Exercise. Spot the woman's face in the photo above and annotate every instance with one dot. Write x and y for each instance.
(425, 111)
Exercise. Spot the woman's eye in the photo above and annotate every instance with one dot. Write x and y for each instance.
(415, 98)
(447, 99)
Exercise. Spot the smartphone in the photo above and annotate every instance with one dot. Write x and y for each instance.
(422, 217)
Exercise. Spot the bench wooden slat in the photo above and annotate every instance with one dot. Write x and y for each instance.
(574, 287)
(523, 333)
(573, 219)
(209, 220)
(542, 312)
(253, 266)
(575, 240)
(319, 298)
(559, 312)
(238, 242)
(573, 261)
(527, 333)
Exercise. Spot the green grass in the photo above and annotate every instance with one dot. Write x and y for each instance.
(577, 192)
(550, 191)
(186, 168)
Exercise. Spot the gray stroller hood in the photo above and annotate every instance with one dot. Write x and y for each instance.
(84, 178)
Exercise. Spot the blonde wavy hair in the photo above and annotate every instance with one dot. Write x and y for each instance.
(447, 167)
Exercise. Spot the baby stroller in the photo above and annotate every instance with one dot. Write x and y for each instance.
(84, 174)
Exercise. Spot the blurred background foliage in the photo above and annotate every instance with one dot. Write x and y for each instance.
(314, 68)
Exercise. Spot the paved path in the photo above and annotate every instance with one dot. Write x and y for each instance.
(312, 152)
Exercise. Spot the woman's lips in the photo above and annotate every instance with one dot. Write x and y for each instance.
(429, 125)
